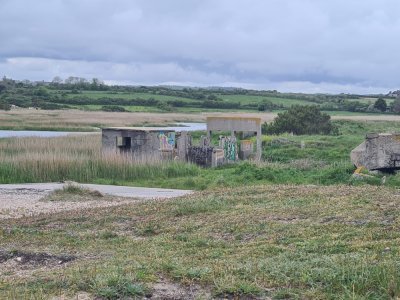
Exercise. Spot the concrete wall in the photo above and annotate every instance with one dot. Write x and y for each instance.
(146, 144)
(378, 152)
(202, 156)
(235, 125)
(246, 149)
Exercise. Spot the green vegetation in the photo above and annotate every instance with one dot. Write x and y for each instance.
(380, 105)
(75, 189)
(279, 241)
(80, 93)
(295, 226)
(113, 108)
(301, 120)
(307, 159)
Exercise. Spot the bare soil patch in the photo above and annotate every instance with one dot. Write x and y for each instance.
(165, 290)
(23, 264)
(29, 258)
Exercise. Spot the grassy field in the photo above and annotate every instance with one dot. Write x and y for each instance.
(278, 241)
(243, 99)
(246, 99)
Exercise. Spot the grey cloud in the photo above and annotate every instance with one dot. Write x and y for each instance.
(305, 45)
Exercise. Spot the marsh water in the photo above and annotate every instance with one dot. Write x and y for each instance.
(37, 133)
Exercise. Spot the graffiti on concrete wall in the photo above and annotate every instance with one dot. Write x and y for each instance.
(201, 155)
(229, 144)
(167, 141)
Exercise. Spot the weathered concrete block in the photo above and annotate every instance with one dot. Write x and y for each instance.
(378, 152)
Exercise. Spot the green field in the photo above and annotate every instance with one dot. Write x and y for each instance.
(84, 95)
(245, 99)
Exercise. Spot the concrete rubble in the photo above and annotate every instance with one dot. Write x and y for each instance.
(378, 152)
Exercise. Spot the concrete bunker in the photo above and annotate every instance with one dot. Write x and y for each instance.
(229, 148)
(146, 143)
(379, 151)
(156, 143)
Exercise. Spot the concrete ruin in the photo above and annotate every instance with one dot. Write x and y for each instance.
(378, 152)
(154, 143)
(247, 127)
(147, 143)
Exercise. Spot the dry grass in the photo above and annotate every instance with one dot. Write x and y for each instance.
(85, 120)
(77, 158)
(389, 118)
(88, 120)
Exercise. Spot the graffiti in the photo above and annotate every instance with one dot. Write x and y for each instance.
(246, 145)
(201, 155)
(167, 141)
(230, 148)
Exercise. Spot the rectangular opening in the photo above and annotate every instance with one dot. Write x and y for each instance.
(124, 142)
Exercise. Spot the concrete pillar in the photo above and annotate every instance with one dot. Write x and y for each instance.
(259, 146)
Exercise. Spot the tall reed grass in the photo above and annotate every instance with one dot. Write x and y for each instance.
(77, 158)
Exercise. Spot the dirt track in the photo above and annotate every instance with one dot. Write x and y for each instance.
(18, 200)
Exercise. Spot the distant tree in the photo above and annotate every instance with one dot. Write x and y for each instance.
(42, 92)
(266, 105)
(301, 120)
(380, 104)
(164, 106)
(57, 80)
(396, 105)
(4, 105)
(2, 87)
(212, 97)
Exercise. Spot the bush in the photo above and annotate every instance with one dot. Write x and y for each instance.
(396, 106)
(113, 108)
(301, 120)
(4, 105)
(380, 105)
(267, 105)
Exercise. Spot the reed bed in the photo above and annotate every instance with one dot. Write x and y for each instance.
(77, 158)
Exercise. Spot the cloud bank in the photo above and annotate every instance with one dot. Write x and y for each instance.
(299, 46)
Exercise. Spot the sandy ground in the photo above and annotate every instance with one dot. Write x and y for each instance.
(19, 200)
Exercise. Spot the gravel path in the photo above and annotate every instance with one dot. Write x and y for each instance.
(18, 200)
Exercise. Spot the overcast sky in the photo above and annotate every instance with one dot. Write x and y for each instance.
(288, 45)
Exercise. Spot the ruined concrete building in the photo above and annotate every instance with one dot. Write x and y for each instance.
(153, 143)
(378, 152)
(146, 143)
